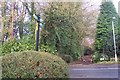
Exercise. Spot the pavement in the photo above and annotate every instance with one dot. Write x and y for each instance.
(94, 72)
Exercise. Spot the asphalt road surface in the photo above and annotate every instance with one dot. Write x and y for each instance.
(94, 72)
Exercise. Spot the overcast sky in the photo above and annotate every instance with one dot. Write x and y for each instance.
(116, 4)
(97, 2)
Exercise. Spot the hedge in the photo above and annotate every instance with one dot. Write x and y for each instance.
(31, 64)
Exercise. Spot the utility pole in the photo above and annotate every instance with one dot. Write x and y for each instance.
(114, 39)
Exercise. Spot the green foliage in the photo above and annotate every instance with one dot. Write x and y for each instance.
(118, 37)
(66, 58)
(96, 57)
(24, 44)
(0, 48)
(48, 49)
(104, 57)
(60, 30)
(100, 57)
(32, 64)
(17, 45)
(104, 36)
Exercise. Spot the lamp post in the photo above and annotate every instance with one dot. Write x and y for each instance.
(114, 38)
(37, 18)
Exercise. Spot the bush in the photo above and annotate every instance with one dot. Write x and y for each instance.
(16, 46)
(104, 57)
(44, 48)
(66, 58)
(96, 57)
(24, 44)
(33, 65)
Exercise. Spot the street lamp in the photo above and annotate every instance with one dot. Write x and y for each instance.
(37, 18)
(113, 18)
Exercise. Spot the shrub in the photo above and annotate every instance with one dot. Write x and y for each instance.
(0, 48)
(33, 65)
(104, 57)
(96, 57)
(24, 44)
(16, 46)
(66, 58)
(48, 49)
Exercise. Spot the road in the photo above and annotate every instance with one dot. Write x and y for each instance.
(94, 72)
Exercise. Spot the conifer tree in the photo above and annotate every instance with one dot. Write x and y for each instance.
(104, 35)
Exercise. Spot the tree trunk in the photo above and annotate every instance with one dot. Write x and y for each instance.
(12, 25)
(3, 20)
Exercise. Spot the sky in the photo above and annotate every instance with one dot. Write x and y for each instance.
(97, 2)
(115, 2)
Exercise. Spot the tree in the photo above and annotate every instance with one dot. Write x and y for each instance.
(61, 30)
(3, 20)
(118, 37)
(104, 36)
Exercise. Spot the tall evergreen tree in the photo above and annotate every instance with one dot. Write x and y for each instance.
(118, 37)
(104, 35)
